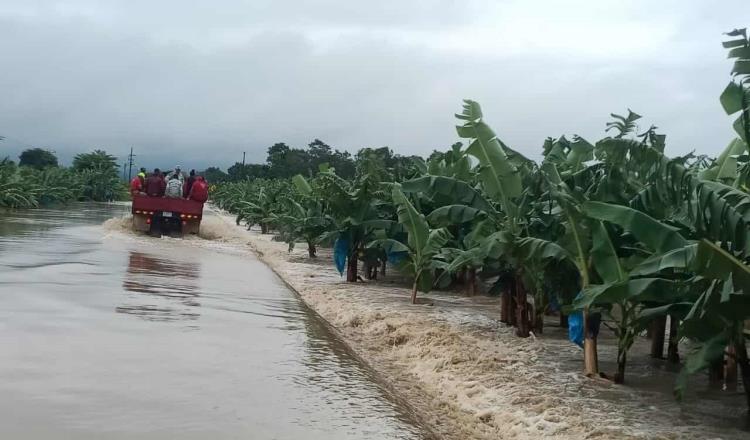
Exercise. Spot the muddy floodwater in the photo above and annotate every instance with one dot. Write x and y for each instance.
(107, 334)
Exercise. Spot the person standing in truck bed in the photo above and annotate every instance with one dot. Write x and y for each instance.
(174, 187)
(199, 190)
(137, 185)
(155, 184)
(188, 184)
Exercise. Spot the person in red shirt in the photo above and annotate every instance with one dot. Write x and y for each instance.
(199, 190)
(155, 184)
(136, 185)
(189, 183)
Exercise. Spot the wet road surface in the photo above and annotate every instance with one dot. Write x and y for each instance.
(111, 335)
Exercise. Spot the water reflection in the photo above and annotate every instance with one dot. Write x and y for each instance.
(171, 285)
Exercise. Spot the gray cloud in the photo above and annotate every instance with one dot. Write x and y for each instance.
(203, 83)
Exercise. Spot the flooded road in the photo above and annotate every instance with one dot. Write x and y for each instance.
(106, 334)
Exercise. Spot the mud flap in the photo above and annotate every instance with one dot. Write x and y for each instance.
(140, 224)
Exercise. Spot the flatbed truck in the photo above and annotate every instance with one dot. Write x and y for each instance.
(165, 215)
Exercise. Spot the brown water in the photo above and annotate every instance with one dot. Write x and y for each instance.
(106, 334)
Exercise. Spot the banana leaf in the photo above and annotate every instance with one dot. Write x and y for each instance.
(302, 185)
(457, 191)
(680, 259)
(651, 232)
(604, 256)
(499, 177)
(414, 222)
(713, 262)
(639, 289)
(454, 214)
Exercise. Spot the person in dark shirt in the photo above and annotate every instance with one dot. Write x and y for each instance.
(189, 184)
(155, 184)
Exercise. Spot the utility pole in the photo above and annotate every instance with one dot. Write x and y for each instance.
(130, 164)
(243, 159)
(124, 168)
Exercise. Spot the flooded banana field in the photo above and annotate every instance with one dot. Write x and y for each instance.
(108, 334)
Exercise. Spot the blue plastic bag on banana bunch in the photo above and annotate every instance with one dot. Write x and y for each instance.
(340, 252)
(575, 326)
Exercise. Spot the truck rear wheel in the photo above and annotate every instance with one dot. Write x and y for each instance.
(165, 226)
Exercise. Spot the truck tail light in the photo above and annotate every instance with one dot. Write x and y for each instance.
(148, 220)
(184, 222)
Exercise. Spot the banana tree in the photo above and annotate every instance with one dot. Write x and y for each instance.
(717, 318)
(357, 211)
(16, 192)
(577, 241)
(252, 201)
(620, 295)
(422, 246)
(500, 177)
(453, 163)
(460, 208)
(713, 217)
(302, 219)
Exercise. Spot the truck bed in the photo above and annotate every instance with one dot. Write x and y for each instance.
(154, 204)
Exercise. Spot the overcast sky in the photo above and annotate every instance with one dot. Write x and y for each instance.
(199, 82)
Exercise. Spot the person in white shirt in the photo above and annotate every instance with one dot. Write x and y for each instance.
(174, 187)
(178, 173)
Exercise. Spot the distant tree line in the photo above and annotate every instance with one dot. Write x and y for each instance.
(38, 179)
(283, 161)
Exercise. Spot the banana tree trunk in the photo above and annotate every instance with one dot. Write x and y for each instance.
(311, 250)
(414, 291)
(471, 281)
(263, 228)
(371, 270)
(522, 309)
(673, 353)
(351, 268)
(658, 327)
(730, 368)
(382, 267)
(716, 373)
(505, 307)
(590, 357)
(744, 364)
(538, 314)
(622, 357)
(513, 316)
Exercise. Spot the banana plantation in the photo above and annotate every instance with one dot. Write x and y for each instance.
(613, 233)
(29, 187)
